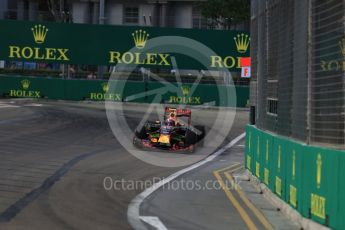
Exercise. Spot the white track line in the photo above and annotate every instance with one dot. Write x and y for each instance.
(3, 106)
(133, 212)
(33, 105)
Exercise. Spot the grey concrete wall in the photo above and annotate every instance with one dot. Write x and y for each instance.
(114, 13)
(182, 17)
(3, 8)
(177, 14)
(80, 12)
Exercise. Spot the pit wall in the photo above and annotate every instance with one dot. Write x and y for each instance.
(310, 179)
(129, 91)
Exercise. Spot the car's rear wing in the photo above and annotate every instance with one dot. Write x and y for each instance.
(175, 113)
(178, 112)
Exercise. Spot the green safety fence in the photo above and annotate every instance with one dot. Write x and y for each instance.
(308, 178)
(131, 91)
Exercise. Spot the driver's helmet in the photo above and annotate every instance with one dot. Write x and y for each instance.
(169, 122)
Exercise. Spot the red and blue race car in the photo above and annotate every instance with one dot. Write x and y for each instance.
(174, 133)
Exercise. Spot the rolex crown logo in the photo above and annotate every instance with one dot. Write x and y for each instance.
(318, 170)
(39, 33)
(342, 46)
(242, 42)
(25, 84)
(105, 87)
(140, 37)
(185, 90)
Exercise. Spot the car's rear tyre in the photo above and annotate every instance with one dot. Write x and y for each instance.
(200, 134)
(141, 133)
(190, 137)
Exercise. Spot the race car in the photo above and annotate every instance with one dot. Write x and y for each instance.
(174, 133)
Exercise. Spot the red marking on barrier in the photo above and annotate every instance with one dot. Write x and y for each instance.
(245, 61)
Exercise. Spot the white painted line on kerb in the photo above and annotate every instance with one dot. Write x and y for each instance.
(133, 212)
(154, 221)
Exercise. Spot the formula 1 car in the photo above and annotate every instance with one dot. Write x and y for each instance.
(174, 133)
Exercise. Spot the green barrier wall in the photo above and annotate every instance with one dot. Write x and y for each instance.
(131, 91)
(342, 192)
(80, 90)
(321, 185)
(248, 148)
(267, 155)
(308, 178)
(32, 87)
(257, 155)
(279, 166)
(294, 174)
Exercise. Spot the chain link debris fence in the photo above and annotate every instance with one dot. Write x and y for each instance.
(298, 51)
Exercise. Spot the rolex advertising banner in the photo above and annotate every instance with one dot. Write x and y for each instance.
(280, 149)
(112, 45)
(341, 223)
(266, 147)
(320, 180)
(248, 147)
(99, 90)
(24, 87)
(253, 135)
(294, 174)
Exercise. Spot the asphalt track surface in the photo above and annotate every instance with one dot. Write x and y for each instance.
(54, 158)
